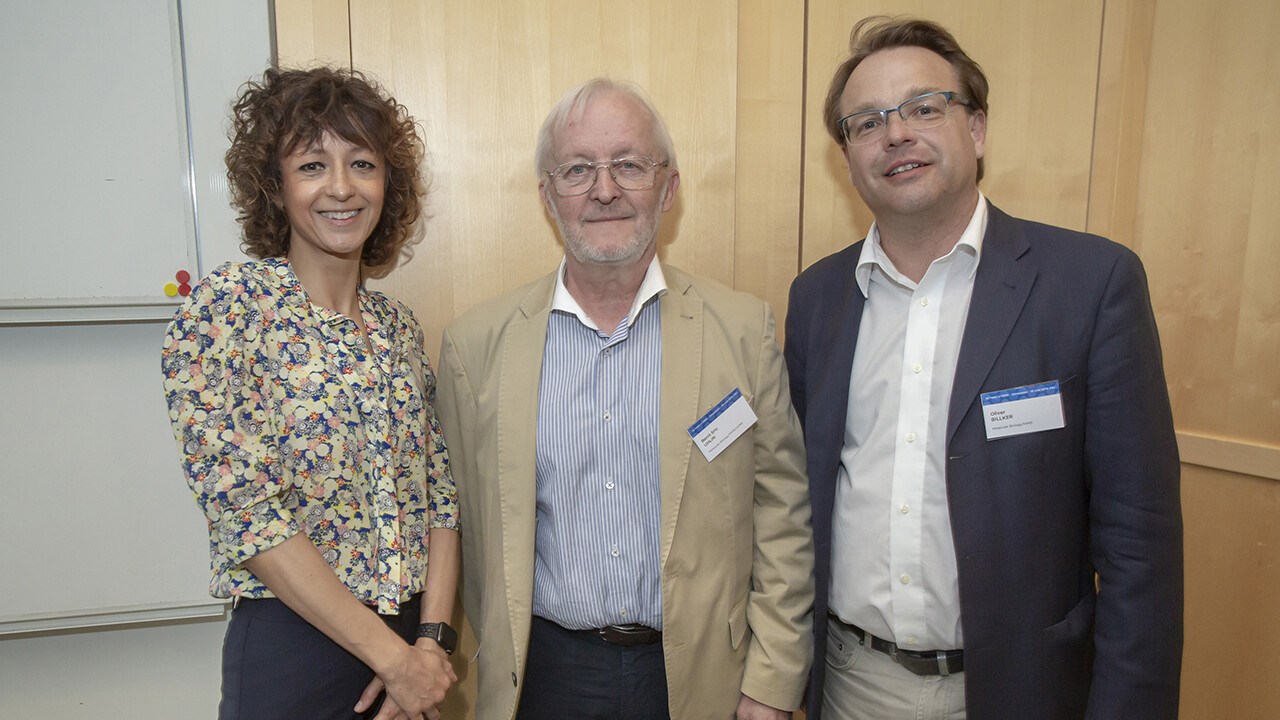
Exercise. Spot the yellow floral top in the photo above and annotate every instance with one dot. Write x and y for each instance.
(286, 423)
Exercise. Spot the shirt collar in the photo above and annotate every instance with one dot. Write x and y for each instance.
(280, 276)
(654, 284)
(872, 254)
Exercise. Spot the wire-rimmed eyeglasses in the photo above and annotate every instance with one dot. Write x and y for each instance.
(919, 113)
(630, 173)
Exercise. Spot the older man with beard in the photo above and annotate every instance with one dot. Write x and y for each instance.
(629, 468)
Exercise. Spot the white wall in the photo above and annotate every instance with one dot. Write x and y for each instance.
(150, 672)
(84, 404)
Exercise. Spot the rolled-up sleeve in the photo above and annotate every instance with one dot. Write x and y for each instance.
(443, 492)
(214, 368)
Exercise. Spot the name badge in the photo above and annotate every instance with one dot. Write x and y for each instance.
(722, 424)
(1022, 410)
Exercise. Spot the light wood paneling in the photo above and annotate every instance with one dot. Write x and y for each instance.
(312, 32)
(1041, 120)
(1229, 661)
(770, 113)
(1118, 125)
(482, 75)
(1207, 223)
(1261, 461)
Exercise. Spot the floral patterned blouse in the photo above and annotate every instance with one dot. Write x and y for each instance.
(286, 423)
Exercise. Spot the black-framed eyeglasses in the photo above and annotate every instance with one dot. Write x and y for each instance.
(630, 173)
(919, 113)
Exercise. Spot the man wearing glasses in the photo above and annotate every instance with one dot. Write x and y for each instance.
(629, 466)
(992, 463)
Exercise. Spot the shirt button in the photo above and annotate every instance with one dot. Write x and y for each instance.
(911, 437)
(608, 485)
(911, 639)
(905, 509)
(614, 552)
(924, 302)
(905, 579)
(917, 368)
(513, 679)
(608, 416)
(623, 612)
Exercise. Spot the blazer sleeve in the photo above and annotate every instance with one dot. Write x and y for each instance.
(1134, 508)
(797, 333)
(780, 603)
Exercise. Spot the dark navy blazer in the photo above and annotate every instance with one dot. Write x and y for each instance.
(1034, 516)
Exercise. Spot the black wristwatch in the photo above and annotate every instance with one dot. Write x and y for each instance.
(445, 636)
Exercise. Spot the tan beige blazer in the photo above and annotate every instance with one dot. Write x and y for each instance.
(736, 546)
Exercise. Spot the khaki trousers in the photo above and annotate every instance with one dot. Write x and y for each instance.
(863, 684)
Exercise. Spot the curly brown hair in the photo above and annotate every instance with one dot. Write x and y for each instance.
(292, 108)
(881, 32)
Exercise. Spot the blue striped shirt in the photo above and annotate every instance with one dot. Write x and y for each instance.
(596, 554)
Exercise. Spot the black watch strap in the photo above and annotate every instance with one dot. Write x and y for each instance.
(445, 636)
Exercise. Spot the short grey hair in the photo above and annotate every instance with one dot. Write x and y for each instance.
(574, 104)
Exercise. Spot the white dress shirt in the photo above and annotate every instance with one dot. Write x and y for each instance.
(893, 564)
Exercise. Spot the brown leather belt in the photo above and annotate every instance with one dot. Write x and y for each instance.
(920, 662)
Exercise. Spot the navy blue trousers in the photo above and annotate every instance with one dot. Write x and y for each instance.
(572, 674)
(277, 666)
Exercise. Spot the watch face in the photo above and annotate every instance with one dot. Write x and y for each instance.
(448, 638)
(444, 635)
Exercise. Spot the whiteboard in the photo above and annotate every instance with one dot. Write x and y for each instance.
(115, 127)
(97, 515)
(99, 525)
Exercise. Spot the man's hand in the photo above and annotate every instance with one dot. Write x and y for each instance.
(414, 687)
(749, 709)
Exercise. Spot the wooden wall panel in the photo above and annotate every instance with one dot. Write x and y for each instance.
(311, 32)
(1041, 120)
(1118, 124)
(1207, 222)
(769, 140)
(1229, 661)
(482, 75)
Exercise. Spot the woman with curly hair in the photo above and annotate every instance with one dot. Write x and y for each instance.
(302, 403)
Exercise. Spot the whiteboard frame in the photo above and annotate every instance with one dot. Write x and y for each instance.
(110, 616)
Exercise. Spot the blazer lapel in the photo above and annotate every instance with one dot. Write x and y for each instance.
(679, 395)
(827, 372)
(519, 378)
(1000, 291)
(830, 373)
